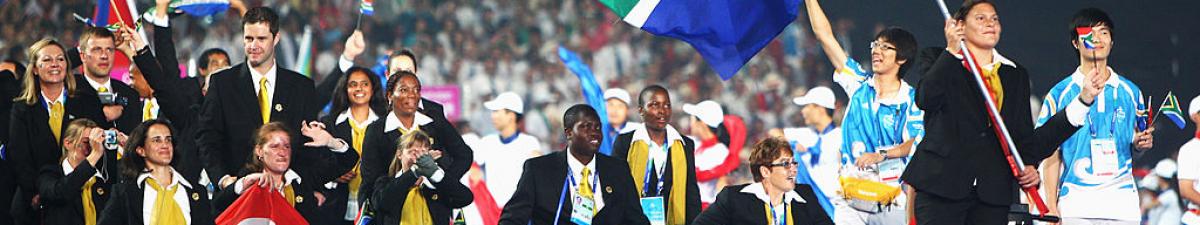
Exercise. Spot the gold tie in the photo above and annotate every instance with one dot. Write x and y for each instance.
(264, 100)
(358, 133)
(56, 116)
(89, 207)
(991, 77)
(585, 187)
(147, 110)
(102, 89)
(415, 209)
(166, 210)
(290, 195)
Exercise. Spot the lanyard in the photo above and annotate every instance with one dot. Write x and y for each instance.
(571, 177)
(651, 167)
(776, 218)
(1111, 127)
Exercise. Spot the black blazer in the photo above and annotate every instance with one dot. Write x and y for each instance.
(130, 118)
(692, 200)
(540, 189)
(306, 202)
(32, 145)
(960, 145)
(178, 105)
(125, 205)
(379, 148)
(388, 200)
(229, 118)
(337, 197)
(61, 193)
(736, 207)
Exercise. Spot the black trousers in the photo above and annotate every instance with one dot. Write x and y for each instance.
(931, 209)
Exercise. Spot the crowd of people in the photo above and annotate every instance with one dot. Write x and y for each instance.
(352, 135)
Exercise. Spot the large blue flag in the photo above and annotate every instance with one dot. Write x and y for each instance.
(727, 33)
(592, 92)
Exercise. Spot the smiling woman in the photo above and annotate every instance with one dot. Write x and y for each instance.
(773, 198)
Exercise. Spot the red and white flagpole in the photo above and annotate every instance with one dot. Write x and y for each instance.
(1014, 157)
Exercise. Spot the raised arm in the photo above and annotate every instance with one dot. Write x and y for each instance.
(824, 33)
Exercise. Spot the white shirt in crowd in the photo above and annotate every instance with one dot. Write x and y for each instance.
(503, 163)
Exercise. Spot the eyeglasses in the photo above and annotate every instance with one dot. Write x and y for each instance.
(783, 164)
(880, 45)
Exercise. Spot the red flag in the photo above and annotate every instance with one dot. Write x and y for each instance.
(489, 212)
(260, 206)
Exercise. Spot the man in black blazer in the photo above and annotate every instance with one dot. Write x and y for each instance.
(552, 186)
(654, 104)
(959, 170)
(97, 47)
(232, 111)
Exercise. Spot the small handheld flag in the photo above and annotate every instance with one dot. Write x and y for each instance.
(1086, 37)
(367, 7)
(1170, 108)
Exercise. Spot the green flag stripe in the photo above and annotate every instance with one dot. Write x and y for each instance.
(620, 7)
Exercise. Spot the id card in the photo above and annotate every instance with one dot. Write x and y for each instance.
(1104, 157)
(890, 171)
(583, 210)
(654, 210)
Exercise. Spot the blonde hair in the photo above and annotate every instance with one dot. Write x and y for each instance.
(405, 142)
(29, 83)
(75, 129)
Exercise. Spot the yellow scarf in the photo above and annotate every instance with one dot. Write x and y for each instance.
(676, 206)
(415, 210)
(991, 78)
(357, 135)
(166, 211)
(290, 195)
(89, 207)
(771, 215)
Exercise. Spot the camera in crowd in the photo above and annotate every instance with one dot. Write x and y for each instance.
(110, 140)
(110, 98)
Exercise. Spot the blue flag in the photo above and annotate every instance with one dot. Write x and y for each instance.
(592, 92)
(727, 33)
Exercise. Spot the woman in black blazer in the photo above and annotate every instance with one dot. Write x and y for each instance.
(272, 163)
(396, 195)
(146, 172)
(774, 197)
(74, 191)
(46, 99)
(357, 103)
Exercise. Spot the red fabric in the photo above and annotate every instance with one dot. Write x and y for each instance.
(737, 138)
(488, 210)
(260, 206)
(118, 13)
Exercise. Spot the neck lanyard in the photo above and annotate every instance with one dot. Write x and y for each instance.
(774, 218)
(1113, 115)
(651, 167)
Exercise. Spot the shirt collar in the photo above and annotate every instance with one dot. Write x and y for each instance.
(96, 84)
(1114, 79)
(996, 57)
(757, 190)
(67, 169)
(346, 115)
(290, 176)
(393, 122)
(254, 75)
(176, 178)
(642, 134)
(901, 93)
(62, 98)
(577, 166)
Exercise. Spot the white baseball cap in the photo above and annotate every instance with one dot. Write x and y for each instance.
(619, 94)
(708, 111)
(507, 100)
(821, 96)
(1165, 168)
(1194, 107)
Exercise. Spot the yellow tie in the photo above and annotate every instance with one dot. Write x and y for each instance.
(264, 101)
(415, 210)
(147, 110)
(585, 187)
(56, 116)
(290, 195)
(166, 210)
(991, 77)
(357, 135)
(89, 207)
(102, 89)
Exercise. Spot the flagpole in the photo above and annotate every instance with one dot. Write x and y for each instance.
(1169, 93)
(1013, 156)
(113, 5)
(358, 25)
